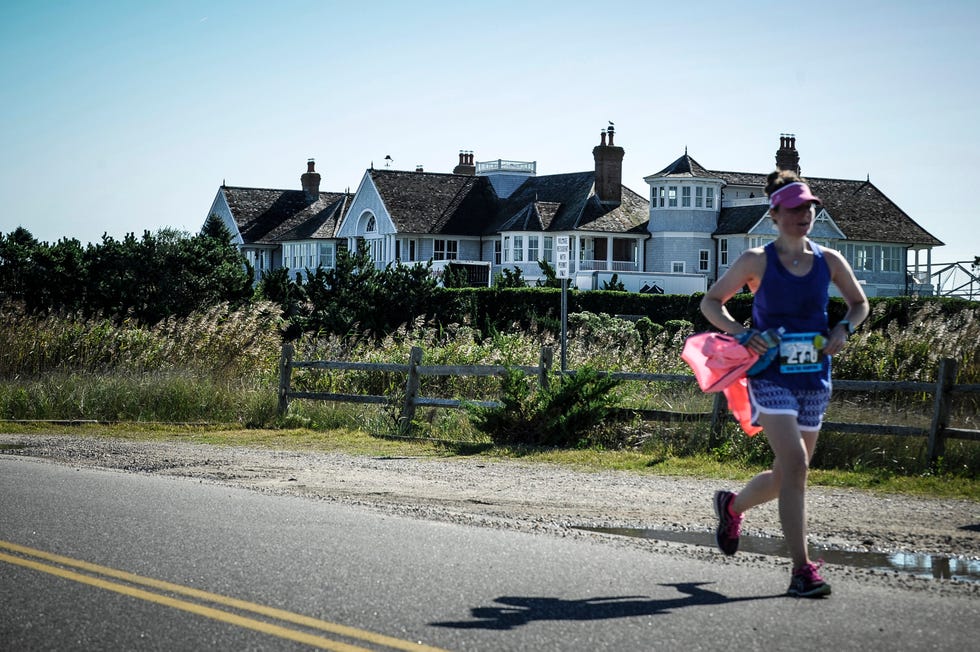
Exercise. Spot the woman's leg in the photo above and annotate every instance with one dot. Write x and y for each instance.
(760, 489)
(792, 449)
(765, 486)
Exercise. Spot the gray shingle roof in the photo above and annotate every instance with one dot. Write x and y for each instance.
(740, 178)
(863, 212)
(267, 216)
(685, 166)
(739, 219)
(632, 215)
(428, 202)
(858, 208)
(565, 202)
(452, 204)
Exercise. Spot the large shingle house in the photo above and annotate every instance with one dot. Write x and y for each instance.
(701, 220)
(497, 214)
(490, 215)
(483, 216)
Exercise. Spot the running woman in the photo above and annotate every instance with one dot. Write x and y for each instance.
(790, 279)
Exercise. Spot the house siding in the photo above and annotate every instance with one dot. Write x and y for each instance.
(367, 200)
(220, 208)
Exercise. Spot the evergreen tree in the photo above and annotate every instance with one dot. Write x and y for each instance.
(550, 279)
(509, 279)
(17, 253)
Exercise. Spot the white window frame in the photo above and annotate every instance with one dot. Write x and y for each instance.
(704, 260)
(685, 196)
(723, 252)
(709, 197)
(699, 197)
(443, 249)
(518, 249)
(672, 197)
(891, 259)
(327, 255)
(548, 254)
(677, 267)
(411, 245)
(533, 248)
(864, 258)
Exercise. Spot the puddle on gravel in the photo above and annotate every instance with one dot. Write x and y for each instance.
(919, 565)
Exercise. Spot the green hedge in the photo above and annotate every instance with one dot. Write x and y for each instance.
(491, 309)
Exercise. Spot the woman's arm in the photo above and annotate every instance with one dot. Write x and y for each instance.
(747, 270)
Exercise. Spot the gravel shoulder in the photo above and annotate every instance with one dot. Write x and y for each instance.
(543, 498)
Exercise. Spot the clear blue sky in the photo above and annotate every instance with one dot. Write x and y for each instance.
(126, 116)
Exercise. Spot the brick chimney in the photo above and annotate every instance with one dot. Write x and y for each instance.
(466, 165)
(311, 182)
(608, 168)
(787, 158)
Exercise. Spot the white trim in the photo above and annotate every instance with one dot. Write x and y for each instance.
(681, 234)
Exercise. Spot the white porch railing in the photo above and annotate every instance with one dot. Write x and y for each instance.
(607, 266)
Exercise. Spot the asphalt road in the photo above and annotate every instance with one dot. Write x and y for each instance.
(104, 560)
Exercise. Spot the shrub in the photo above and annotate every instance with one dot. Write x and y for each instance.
(564, 414)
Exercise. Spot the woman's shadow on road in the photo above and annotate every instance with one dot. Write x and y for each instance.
(519, 611)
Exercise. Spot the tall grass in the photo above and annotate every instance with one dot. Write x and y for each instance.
(216, 365)
(221, 365)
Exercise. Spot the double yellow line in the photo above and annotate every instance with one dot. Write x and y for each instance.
(95, 575)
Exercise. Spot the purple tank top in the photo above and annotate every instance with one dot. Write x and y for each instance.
(798, 304)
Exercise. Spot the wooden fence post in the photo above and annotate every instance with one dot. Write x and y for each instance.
(545, 362)
(940, 410)
(285, 377)
(719, 407)
(411, 390)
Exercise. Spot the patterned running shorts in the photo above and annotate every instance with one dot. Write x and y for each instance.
(807, 405)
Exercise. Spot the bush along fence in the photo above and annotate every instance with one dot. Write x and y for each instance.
(937, 433)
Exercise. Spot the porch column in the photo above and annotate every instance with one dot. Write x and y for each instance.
(609, 253)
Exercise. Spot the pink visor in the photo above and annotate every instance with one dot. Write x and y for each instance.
(792, 195)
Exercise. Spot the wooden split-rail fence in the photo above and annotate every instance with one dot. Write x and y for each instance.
(937, 433)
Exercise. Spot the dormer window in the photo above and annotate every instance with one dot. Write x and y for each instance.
(709, 199)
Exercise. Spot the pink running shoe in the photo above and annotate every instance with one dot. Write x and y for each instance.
(807, 583)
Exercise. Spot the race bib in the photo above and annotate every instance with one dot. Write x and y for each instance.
(800, 352)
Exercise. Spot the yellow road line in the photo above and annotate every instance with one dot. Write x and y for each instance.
(217, 614)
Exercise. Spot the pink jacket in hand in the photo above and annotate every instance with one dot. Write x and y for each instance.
(719, 363)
